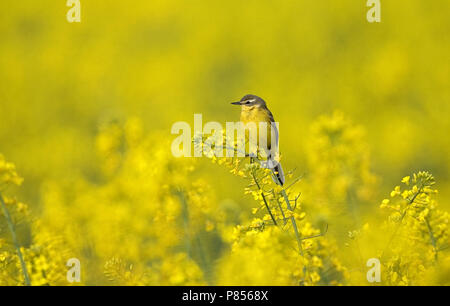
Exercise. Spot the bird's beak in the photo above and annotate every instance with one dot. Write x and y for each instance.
(236, 103)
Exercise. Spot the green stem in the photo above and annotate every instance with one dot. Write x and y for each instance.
(279, 206)
(410, 202)
(15, 241)
(264, 199)
(433, 239)
(185, 215)
(294, 224)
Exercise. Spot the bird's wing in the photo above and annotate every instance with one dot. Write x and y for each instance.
(269, 113)
(270, 116)
(278, 175)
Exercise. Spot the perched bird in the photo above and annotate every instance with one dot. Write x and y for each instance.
(254, 110)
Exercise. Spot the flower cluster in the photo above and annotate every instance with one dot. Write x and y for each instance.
(143, 211)
(419, 230)
(143, 217)
(42, 260)
(278, 246)
(8, 174)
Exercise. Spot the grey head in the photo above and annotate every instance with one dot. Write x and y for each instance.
(250, 100)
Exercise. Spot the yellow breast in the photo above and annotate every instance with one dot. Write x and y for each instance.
(257, 115)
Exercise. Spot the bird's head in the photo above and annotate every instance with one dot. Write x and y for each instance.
(250, 101)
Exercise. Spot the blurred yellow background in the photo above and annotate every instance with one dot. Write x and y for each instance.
(157, 62)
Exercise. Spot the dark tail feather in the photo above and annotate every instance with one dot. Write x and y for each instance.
(278, 174)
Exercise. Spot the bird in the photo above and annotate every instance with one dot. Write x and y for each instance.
(254, 110)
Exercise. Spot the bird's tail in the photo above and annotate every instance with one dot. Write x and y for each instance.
(278, 174)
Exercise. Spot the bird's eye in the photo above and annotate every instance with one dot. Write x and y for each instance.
(248, 102)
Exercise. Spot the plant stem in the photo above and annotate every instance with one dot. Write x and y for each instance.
(432, 238)
(264, 199)
(410, 202)
(294, 224)
(185, 215)
(279, 206)
(193, 243)
(15, 241)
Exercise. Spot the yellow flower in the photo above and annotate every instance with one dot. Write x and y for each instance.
(394, 276)
(396, 191)
(8, 174)
(406, 179)
(384, 203)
